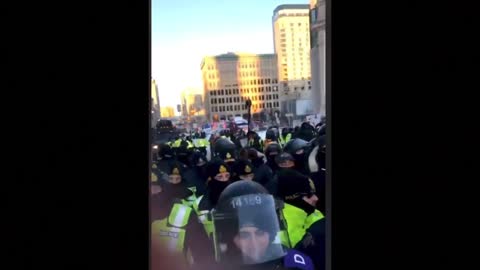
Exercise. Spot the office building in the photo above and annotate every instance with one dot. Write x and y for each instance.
(291, 32)
(231, 79)
(317, 54)
(155, 103)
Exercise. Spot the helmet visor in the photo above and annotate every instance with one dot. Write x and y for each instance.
(248, 230)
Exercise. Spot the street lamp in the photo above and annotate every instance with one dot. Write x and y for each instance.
(248, 104)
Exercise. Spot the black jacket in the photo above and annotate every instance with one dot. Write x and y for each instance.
(263, 173)
(313, 244)
(195, 177)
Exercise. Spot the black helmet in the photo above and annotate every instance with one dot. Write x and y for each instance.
(283, 157)
(165, 151)
(203, 135)
(273, 149)
(198, 159)
(271, 134)
(225, 149)
(243, 168)
(285, 130)
(294, 146)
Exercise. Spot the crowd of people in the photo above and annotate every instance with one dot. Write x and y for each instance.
(251, 204)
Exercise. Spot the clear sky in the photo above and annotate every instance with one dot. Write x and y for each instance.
(184, 31)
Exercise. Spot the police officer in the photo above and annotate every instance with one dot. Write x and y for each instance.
(313, 244)
(225, 150)
(306, 132)
(243, 170)
(271, 136)
(218, 178)
(197, 172)
(271, 152)
(317, 169)
(165, 154)
(184, 151)
(263, 173)
(174, 225)
(298, 193)
(202, 143)
(285, 136)
(175, 183)
(254, 141)
(284, 161)
(298, 149)
(249, 232)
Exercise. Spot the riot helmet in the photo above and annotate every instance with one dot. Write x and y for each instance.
(248, 225)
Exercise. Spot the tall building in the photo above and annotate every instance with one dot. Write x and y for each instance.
(230, 79)
(291, 32)
(317, 54)
(156, 114)
(192, 102)
(168, 111)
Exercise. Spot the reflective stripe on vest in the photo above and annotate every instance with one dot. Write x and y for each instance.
(282, 238)
(203, 217)
(170, 231)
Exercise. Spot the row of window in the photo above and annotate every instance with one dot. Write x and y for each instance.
(237, 91)
(242, 99)
(228, 108)
(250, 82)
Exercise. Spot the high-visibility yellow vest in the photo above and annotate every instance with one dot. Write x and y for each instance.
(177, 143)
(170, 231)
(298, 222)
(203, 217)
(201, 142)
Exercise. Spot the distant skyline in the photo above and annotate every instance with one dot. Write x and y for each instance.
(184, 31)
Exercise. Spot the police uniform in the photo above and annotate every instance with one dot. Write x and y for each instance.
(262, 172)
(207, 202)
(255, 141)
(299, 215)
(179, 231)
(184, 191)
(246, 208)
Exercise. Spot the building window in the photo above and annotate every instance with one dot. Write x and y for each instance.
(231, 100)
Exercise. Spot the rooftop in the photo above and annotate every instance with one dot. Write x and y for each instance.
(291, 6)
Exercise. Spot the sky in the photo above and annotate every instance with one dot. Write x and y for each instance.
(184, 31)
